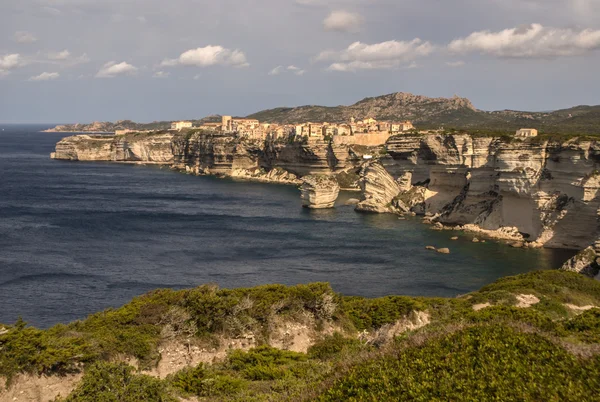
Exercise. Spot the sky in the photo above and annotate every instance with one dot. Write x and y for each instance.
(68, 61)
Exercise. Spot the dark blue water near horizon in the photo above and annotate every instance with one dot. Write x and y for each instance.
(78, 237)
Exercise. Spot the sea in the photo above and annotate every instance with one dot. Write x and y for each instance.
(80, 237)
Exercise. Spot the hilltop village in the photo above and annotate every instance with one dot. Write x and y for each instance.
(369, 131)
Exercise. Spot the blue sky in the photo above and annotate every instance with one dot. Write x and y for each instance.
(144, 60)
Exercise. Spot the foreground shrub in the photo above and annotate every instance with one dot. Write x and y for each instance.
(479, 363)
(332, 346)
(264, 363)
(116, 382)
(368, 314)
(200, 381)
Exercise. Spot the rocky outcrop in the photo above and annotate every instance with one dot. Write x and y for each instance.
(539, 191)
(218, 154)
(545, 193)
(585, 262)
(319, 192)
(276, 175)
(378, 189)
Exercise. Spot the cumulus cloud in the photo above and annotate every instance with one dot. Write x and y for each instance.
(24, 37)
(458, 63)
(530, 41)
(343, 21)
(209, 56)
(296, 70)
(378, 56)
(10, 62)
(292, 69)
(112, 69)
(161, 74)
(276, 71)
(64, 55)
(45, 77)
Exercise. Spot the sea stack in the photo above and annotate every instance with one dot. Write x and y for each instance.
(319, 192)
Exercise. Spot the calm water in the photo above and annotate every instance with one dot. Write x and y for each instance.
(79, 237)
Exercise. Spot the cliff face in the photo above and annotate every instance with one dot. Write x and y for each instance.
(547, 190)
(218, 154)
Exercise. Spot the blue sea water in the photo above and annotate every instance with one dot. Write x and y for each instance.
(78, 237)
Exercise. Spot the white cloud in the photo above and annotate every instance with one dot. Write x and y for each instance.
(343, 21)
(45, 77)
(161, 74)
(276, 71)
(64, 55)
(24, 37)
(379, 56)
(292, 69)
(458, 63)
(530, 41)
(209, 56)
(10, 62)
(296, 70)
(112, 69)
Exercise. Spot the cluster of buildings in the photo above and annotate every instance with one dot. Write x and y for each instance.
(367, 132)
(363, 132)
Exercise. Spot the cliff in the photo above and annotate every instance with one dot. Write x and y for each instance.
(542, 191)
(309, 343)
(546, 189)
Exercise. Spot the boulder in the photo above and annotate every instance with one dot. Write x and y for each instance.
(430, 248)
(443, 250)
(454, 238)
(318, 192)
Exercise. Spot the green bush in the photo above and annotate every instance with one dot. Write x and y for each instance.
(332, 346)
(585, 326)
(480, 363)
(116, 382)
(373, 313)
(263, 363)
(200, 381)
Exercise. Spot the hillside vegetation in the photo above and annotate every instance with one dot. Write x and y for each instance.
(455, 112)
(424, 112)
(530, 337)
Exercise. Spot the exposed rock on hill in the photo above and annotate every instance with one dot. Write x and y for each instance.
(455, 112)
(319, 192)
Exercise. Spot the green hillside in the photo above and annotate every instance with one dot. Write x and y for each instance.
(486, 345)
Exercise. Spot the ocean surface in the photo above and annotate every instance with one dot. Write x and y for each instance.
(78, 237)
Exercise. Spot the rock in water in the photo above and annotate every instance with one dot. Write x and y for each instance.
(319, 192)
(378, 188)
(443, 250)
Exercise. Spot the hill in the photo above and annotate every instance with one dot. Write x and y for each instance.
(453, 112)
(530, 337)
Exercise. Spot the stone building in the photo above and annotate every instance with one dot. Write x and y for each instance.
(526, 133)
(179, 125)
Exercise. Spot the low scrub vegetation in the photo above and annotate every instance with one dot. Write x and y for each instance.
(548, 351)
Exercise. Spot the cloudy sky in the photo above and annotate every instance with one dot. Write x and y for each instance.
(67, 61)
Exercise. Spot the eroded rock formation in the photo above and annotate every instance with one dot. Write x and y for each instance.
(319, 192)
(547, 190)
(378, 189)
(544, 192)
